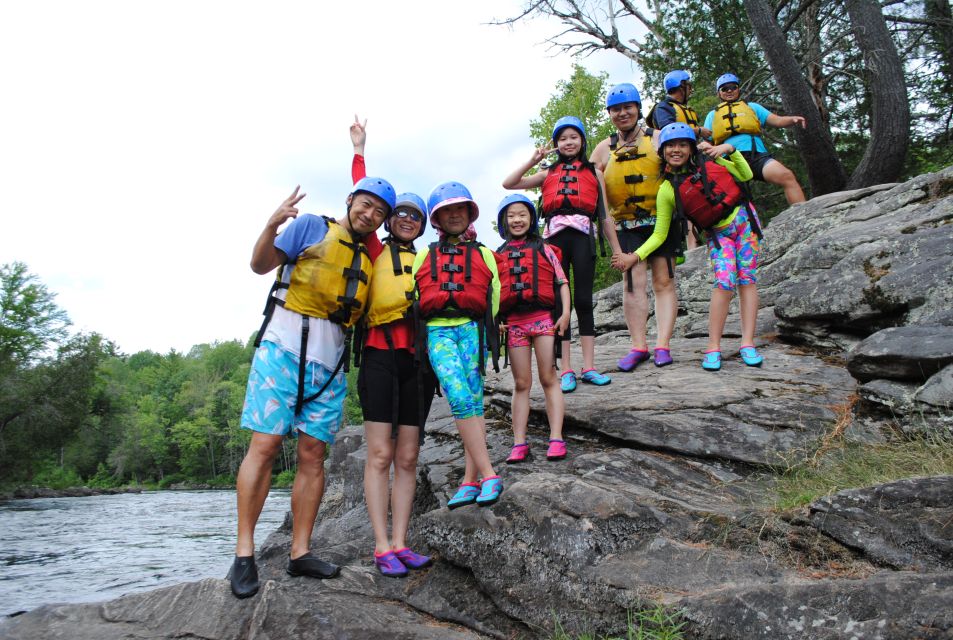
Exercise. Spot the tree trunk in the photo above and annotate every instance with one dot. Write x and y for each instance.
(889, 107)
(811, 34)
(824, 169)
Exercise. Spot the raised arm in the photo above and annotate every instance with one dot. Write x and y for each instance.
(265, 256)
(519, 180)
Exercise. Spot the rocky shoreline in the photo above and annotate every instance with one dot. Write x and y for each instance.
(664, 499)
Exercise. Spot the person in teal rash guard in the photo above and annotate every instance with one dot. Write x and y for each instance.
(740, 124)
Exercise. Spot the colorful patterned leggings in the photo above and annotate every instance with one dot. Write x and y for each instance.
(735, 262)
(455, 358)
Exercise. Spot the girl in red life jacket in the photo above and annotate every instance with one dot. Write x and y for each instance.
(707, 194)
(573, 194)
(533, 287)
(459, 289)
(395, 392)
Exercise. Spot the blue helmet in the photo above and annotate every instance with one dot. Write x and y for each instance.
(674, 79)
(676, 131)
(504, 205)
(450, 193)
(380, 188)
(726, 78)
(568, 121)
(622, 93)
(410, 201)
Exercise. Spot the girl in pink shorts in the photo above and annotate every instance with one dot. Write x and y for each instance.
(534, 307)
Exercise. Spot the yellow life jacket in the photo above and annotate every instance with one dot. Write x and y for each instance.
(733, 118)
(330, 279)
(392, 285)
(684, 113)
(632, 177)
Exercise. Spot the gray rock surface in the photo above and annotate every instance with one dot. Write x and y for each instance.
(665, 497)
(902, 525)
(914, 353)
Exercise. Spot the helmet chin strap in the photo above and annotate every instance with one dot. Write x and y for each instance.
(350, 224)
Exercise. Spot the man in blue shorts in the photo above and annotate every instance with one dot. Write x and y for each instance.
(295, 386)
(740, 123)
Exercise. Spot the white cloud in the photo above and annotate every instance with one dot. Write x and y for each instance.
(145, 144)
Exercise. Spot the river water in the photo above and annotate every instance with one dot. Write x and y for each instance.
(100, 547)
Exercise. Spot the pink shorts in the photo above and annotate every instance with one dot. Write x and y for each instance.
(521, 334)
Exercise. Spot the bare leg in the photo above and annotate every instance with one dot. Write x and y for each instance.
(555, 405)
(307, 492)
(380, 454)
(588, 344)
(635, 306)
(748, 296)
(666, 301)
(473, 433)
(522, 368)
(717, 315)
(405, 483)
(566, 355)
(776, 173)
(252, 485)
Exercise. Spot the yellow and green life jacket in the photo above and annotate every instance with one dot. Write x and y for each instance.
(632, 178)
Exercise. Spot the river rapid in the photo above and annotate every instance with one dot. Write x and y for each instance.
(99, 547)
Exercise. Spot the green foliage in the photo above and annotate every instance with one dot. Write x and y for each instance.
(583, 96)
(657, 623)
(852, 465)
(30, 321)
(284, 479)
(102, 479)
(352, 404)
(53, 475)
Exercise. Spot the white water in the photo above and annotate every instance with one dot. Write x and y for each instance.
(100, 547)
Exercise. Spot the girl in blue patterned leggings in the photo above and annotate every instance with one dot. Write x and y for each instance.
(458, 286)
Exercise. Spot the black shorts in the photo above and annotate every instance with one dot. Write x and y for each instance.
(757, 160)
(632, 239)
(380, 375)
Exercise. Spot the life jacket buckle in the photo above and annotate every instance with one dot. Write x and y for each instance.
(518, 270)
(453, 268)
(569, 179)
(450, 250)
(451, 286)
(634, 179)
(514, 253)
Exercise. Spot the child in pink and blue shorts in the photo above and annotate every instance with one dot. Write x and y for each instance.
(533, 287)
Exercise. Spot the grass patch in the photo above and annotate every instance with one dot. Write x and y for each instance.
(854, 465)
(658, 623)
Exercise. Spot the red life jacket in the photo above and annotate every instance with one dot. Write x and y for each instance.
(527, 278)
(706, 196)
(454, 281)
(569, 188)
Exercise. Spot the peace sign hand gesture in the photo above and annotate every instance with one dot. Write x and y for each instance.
(288, 209)
(541, 153)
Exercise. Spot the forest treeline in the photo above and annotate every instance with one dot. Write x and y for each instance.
(75, 411)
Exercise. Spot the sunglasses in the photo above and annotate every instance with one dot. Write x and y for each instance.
(729, 87)
(413, 215)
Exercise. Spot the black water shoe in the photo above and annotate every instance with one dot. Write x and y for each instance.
(311, 566)
(244, 576)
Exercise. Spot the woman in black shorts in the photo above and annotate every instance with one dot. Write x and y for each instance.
(394, 386)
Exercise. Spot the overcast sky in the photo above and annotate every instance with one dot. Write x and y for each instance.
(143, 145)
